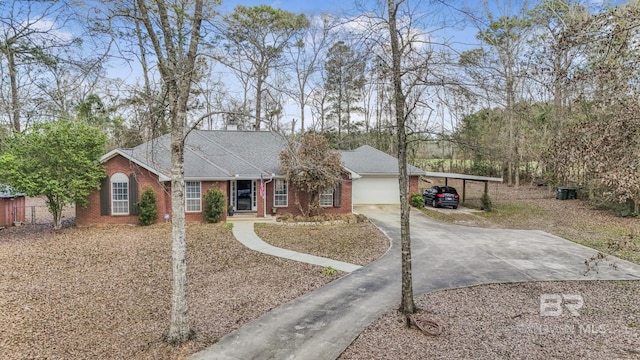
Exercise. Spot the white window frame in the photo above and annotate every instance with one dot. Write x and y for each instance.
(254, 198)
(192, 200)
(326, 198)
(280, 193)
(119, 196)
(233, 195)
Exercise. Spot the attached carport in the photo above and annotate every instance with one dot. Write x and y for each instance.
(464, 178)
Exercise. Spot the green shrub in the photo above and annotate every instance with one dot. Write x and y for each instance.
(486, 202)
(329, 271)
(417, 200)
(213, 205)
(147, 209)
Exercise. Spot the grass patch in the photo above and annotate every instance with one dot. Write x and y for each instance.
(104, 292)
(511, 212)
(449, 217)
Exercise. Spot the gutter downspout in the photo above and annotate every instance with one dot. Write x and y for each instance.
(264, 200)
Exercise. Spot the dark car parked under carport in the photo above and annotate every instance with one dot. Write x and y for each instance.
(440, 196)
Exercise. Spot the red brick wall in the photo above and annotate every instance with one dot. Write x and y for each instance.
(90, 215)
(205, 186)
(414, 184)
(295, 197)
(118, 164)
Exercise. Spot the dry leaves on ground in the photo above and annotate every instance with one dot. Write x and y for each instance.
(504, 322)
(104, 292)
(358, 244)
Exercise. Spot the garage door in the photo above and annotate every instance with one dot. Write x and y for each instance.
(381, 190)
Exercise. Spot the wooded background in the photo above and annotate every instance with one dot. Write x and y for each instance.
(543, 92)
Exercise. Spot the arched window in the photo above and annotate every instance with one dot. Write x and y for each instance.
(119, 194)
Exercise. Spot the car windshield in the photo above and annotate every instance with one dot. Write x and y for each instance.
(448, 190)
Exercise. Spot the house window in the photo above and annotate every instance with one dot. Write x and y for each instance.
(193, 198)
(326, 198)
(119, 194)
(281, 193)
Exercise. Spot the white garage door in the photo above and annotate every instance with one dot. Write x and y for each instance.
(380, 190)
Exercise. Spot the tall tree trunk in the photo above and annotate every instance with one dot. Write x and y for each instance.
(258, 101)
(179, 330)
(407, 305)
(302, 100)
(177, 72)
(13, 79)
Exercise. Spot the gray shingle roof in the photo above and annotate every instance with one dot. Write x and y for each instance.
(216, 154)
(220, 155)
(367, 160)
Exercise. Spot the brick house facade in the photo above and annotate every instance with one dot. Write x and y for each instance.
(240, 164)
(104, 214)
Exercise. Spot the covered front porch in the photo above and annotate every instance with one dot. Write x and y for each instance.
(247, 198)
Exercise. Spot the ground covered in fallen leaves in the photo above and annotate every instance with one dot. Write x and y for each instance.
(334, 241)
(504, 322)
(104, 292)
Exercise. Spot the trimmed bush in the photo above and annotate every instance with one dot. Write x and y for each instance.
(147, 209)
(417, 200)
(213, 205)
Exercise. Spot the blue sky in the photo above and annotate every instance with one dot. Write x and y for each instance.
(308, 7)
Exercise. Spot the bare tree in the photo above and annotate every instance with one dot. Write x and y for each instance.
(501, 75)
(259, 35)
(306, 56)
(37, 48)
(407, 305)
(174, 31)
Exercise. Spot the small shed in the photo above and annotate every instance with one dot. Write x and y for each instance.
(12, 206)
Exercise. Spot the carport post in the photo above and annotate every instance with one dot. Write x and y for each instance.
(486, 188)
(464, 189)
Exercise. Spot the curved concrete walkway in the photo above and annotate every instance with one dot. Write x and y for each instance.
(243, 231)
(322, 323)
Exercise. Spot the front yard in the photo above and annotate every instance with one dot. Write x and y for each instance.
(104, 292)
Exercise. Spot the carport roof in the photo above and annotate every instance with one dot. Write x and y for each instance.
(367, 160)
(461, 176)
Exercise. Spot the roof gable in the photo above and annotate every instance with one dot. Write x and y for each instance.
(367, 160)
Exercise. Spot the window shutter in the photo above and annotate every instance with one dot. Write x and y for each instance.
(104, 197)
(337, 195)
(133, 194)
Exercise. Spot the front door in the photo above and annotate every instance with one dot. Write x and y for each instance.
(243, 195)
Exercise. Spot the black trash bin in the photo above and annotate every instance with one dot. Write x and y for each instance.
(567, 193)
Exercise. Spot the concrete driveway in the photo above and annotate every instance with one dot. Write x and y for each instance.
(449, 256)
(321, 324)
